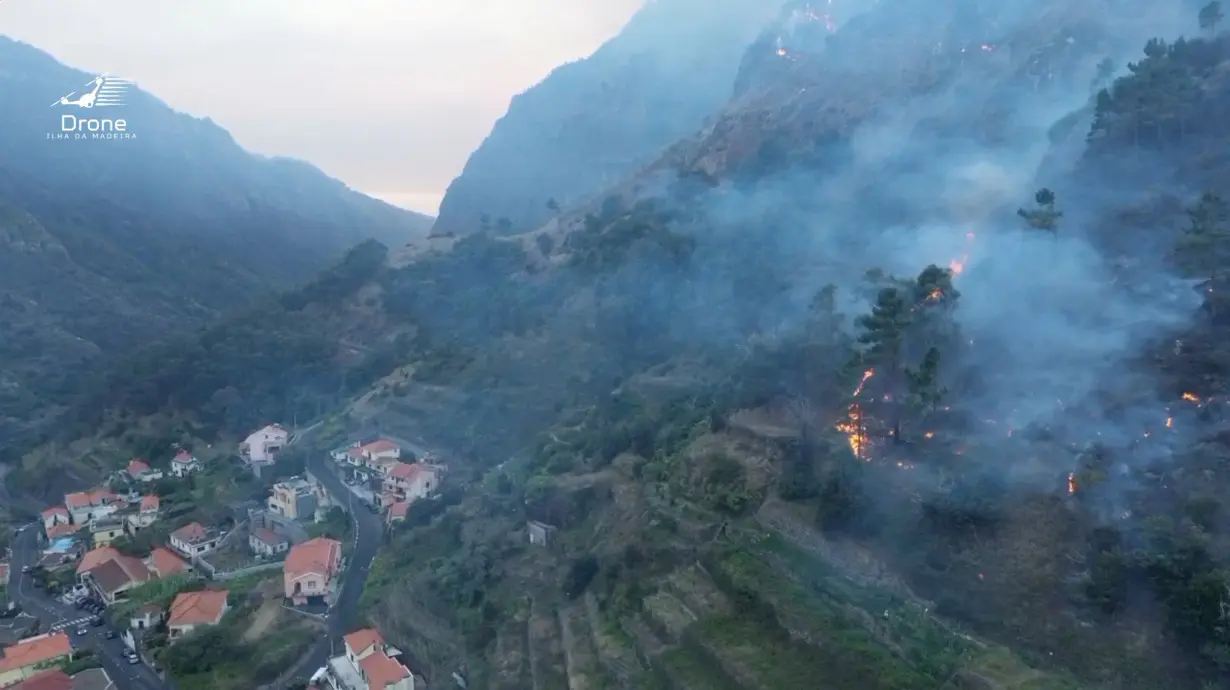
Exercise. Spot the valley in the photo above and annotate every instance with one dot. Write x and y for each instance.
(903, 369)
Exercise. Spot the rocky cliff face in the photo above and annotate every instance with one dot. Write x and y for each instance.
(593, 122)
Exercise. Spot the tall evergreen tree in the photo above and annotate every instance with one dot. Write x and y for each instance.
(883, 337)
(1044, 216)
(1204, 248)
(1210, 16)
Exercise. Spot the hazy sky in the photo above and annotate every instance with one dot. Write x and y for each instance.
(389, 96)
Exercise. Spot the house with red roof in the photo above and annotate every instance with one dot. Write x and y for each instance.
(184, 464)
(369, 664)
(410, 481)
(140, 471)
(195, 540)
(261, 446)
(55, 515)
(84, 506)
(33, 654)
(191, 610)
(312, 571)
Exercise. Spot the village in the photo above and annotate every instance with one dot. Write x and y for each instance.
(157, 554)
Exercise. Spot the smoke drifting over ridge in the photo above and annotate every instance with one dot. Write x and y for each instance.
(934, 175)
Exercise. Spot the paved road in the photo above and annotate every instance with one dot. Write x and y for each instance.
(369, 533)
(52, 612)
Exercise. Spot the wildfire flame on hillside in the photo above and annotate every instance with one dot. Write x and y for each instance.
(852, 425)
(958, 265)
(1071, 482)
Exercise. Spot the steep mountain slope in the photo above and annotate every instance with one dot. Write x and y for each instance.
(592, 122)
(782, 445)
(109, 244)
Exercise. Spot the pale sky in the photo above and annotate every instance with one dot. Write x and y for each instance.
(389, 96)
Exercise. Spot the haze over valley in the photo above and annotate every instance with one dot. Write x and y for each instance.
(769, 345)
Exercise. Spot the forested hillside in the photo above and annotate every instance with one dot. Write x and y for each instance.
(899, 383)
(110, 245)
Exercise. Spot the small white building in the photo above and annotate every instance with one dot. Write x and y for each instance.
(263, 444)
(368, 664)
(194, 540)
(84, 506)
(139, 470)
(265, 542)
(184, 464)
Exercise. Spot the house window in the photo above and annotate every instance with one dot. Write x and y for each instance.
(311, 584)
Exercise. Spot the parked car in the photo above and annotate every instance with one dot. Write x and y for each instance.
(111, 635)
(97, 621)
(83, 631)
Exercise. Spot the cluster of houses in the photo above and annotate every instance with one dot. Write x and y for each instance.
(312, 569)
(401, 483)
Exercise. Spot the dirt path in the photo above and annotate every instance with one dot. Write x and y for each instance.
(263, 620)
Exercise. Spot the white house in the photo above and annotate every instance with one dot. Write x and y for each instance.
(192, 610)
(194, 540)
(368, 664)
(380, 449)
(265, 542)
(55, 515)
(184, 464)
(84, 506)
(139, 471)
(411, 481)
(145, 516)
(261, 445)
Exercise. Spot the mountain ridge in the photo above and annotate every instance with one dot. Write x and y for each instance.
(606, 114)
(107, 245)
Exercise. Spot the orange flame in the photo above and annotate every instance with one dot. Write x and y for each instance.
(1191, 397)
(852, 425)
(1071, 482)
(958, 265)
(1170, 422)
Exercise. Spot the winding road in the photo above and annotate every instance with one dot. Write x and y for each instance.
(343, 616)
(52, 612)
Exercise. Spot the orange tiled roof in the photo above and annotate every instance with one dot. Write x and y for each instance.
(381, 671)
(268, 536)
(360, 640)
(149, 503)
(137, 466)
(183, 456)
(379, 446)
(36, 650)
(55, 510)
(96, 557)
(198, 608)
(405, 471)
(54, 679)
(398, 510)
(62, 530)
(317, 555)
(191, 532)
(77, 499)
(166, 563)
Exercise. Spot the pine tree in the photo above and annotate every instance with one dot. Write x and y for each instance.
(883, 336)
(1204, 249)
(1210, 16)
(1044, 216)
(925, 391)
